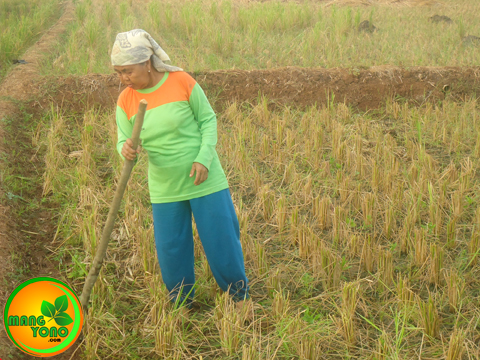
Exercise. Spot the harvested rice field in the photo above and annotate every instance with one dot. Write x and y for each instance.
(349, 132)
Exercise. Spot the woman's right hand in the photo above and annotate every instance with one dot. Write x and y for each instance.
(128, 152)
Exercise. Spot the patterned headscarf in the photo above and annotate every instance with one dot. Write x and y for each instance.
(136, 46)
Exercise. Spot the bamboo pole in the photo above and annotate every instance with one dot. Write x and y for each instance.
(112, 214)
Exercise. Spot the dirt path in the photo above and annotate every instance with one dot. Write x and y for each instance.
(17, 87)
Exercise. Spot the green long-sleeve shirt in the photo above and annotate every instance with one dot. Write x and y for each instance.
(179, 128)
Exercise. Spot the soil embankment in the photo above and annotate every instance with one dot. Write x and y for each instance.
(361, 88)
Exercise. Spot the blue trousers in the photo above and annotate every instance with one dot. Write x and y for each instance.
(219, 232)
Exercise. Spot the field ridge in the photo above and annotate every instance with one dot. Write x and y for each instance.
(361, 88)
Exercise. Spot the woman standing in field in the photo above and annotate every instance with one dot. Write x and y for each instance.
(184, 172)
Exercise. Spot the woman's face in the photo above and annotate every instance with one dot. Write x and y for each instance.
(134, 76)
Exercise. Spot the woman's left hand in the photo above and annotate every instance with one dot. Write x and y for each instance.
(202, 173)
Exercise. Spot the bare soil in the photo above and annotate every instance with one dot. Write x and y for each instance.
(363, 89)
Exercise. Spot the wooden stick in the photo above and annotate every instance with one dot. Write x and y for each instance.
(112, 214)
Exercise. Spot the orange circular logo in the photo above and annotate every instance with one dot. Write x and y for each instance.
(43, 317)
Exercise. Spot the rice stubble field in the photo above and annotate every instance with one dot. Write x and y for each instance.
(359, 221)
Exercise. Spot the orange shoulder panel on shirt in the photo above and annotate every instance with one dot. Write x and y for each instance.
(177, 87)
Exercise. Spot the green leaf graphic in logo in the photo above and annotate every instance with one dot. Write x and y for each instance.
(61, 303)
(47, 309)
(63, 319)
(57, 312)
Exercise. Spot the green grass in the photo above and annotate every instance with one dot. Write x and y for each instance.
(21, 23)
(209, 35)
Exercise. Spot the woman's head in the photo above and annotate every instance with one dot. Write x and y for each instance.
(136, 47)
